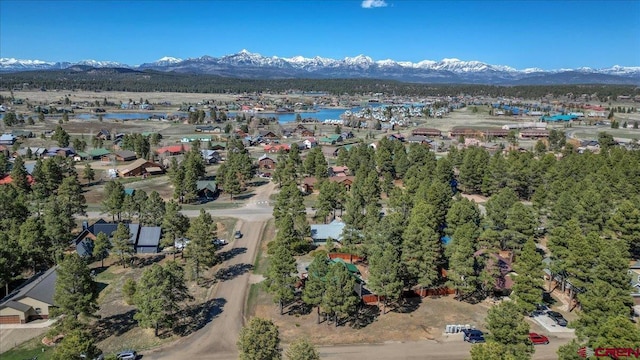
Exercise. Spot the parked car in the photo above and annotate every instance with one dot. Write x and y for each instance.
(538, 339)
(127, 355)
(220, 242)
(541, 309)
(557, 317)
(238, 234)
(473, 336)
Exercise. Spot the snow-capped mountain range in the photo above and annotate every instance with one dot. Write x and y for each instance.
(245, 64)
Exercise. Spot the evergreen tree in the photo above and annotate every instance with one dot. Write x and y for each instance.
(617, 332)
(58, 227)
(463, 268)
(101, 247)
(490, 351)
(507, 327)
(260, 340)
(122, 245)
(174, 224)
(315, 285)
(152, 210)
(201, 251)
(164, 290)
(88, 173)
(74, 344)
(473, 168)
(339, 298)
(384, 273)
(113, 199)
(71, 198)
(279, 280)
(35, 251)
(75, 292)
(129, 289)
(527, 287)
(498, 206)
(462, 211)
(19, 174)
(302, 349)
(421, 248)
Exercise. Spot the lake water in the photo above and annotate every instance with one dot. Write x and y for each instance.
(322, 114)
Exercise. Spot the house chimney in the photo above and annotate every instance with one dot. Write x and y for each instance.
(85, 225)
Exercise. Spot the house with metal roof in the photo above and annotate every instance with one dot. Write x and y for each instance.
(145, 239)
(321, 232)
(31, 301)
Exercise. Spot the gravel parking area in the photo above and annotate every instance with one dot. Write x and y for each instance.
(550, 326)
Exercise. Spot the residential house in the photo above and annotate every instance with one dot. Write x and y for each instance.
(36, 152)
(98, 153)
(427, 132)
(395, 137)
(266, 162)
(216, 145)
(466, 132)
(306, 132)
(25, 134)
(7, 139)
(321, 232)
(125, 155)
(207, 189)
(534, 133)
(310, 142)
(331, 139)
(500, 264)
(491, 133)
(8, 180)
(308, 183)
(33, 300)
(211, 156)
(634, 272)
(277, 148)
(338, 171)
(418, 139)
(141, 167)
(145, 239)
(268, 134)
(58, 151)
(104, 134)
(173, 150)
(208, 129)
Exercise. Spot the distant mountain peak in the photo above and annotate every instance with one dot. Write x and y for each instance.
(246, 64)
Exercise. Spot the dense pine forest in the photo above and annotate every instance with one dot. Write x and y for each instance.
(89, 79)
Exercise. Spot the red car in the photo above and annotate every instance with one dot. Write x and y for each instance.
(538, 339)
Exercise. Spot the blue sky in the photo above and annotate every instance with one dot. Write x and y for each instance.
(545, 34)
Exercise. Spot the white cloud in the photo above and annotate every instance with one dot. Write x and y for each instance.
(368, 4)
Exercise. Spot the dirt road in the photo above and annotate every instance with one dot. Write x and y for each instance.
(450, 350)
(217, 339)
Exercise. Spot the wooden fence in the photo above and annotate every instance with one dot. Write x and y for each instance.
(346, 257)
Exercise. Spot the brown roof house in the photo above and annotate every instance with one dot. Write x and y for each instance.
(125, 155)
(266, 162)
(140, 167)
(31, 301)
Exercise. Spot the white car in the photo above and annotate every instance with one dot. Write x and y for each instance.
(127, 355)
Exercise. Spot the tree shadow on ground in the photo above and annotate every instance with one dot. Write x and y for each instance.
(147, 260)
(100, 286)
(244, 196)
(298, 308)
(233, 271)
(230, 254)
(365, 316)
(195, 317)
(260, 182)
(114, 325)
(408, 305)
